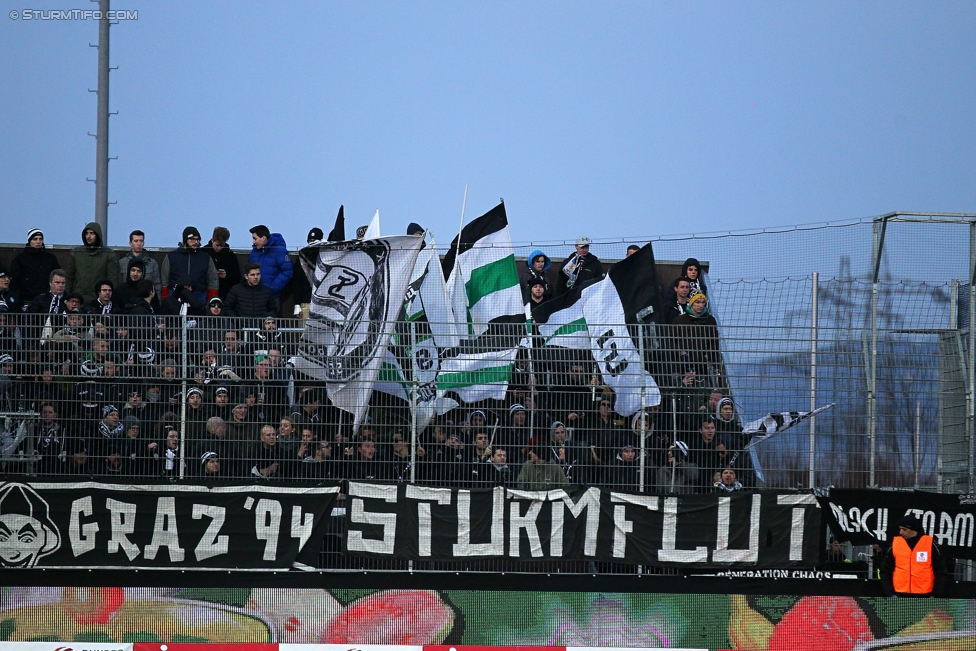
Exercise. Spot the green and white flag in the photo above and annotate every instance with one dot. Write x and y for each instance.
(482, 279)
(478, 376)
(358, 293)
(425, 327)
(483, 286)
(595, 318)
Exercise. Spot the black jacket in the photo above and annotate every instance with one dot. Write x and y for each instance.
(255, 302)
(30, 272)
(592, 268)
(225, 259)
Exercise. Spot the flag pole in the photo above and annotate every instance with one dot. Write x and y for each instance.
(456, 271)
(464, 204)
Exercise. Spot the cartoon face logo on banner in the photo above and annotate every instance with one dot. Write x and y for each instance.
(348, 308)
(27, 533)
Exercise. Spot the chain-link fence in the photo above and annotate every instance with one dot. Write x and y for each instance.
(885, 343)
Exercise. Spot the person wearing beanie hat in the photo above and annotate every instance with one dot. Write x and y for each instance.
(413, 228)
(270, 251)
(536, 292)
(91, 263)
(315, 235)
(623, 471)
(538, 473)
(126, 294)
(136, 450)
(110, 430)
(914, 565)
(31, 269)
(191, 233)
(678, 475)
(210, 466)
(695, 337)
(188, 261)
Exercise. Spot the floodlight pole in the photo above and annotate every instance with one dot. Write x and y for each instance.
(101, 136)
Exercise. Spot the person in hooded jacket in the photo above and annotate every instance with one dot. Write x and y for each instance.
(91, 263)
(270, 251)
(536, 268)
(696, 337)
(728, 430)
(678, 474)
(189, 260)
(30, 271)
(127, 293)
(692, 269)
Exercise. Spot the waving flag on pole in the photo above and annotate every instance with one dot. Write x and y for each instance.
(358, 294)
(425, 327)
(595, 318)
(770, 425)
(483, 286)
(373, 230)
(338, 232)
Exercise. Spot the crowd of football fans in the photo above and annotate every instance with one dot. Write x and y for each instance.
(131, 366)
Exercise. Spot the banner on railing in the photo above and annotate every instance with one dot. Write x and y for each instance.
(83, 525)
(746, 529)
(866, 517)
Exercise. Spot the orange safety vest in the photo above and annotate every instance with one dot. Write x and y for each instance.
(913, 567)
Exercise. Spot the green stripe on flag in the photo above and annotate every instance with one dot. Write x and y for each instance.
(390, 373)
(487, 375)
(579, 325)
(492, 277)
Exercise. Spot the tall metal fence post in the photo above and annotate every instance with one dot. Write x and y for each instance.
(413, 403)
(643, 404)
(879, 234)
(184, 367)
(971, 430)
(815, 289)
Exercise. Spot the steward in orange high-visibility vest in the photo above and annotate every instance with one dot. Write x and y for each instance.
(914, 564)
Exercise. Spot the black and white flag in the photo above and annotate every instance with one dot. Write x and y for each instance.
(358, 293)
(596, 319)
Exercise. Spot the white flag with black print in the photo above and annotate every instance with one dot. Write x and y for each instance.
(771, 424)
(425, 327)
(595, 317)
(358, 293)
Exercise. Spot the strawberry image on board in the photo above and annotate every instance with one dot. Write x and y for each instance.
(821, 624)
(412, 617)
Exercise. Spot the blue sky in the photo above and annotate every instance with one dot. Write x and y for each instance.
(620, 120)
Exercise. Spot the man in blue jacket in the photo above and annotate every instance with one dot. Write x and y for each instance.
(271, 252)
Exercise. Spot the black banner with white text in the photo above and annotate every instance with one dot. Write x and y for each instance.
(866, 517)
(765, 529)
(85, 525)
